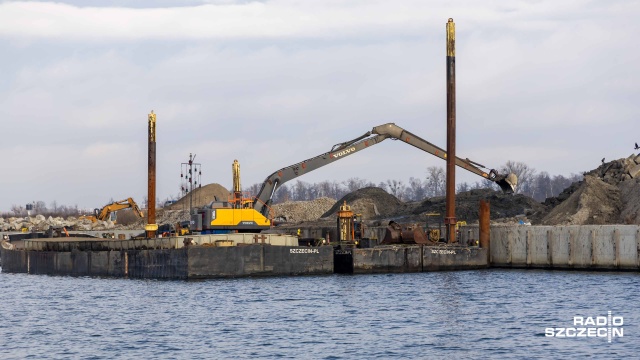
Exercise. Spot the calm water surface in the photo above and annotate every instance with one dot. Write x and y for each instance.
(467, 314)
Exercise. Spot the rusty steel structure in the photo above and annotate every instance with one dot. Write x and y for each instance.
(151, 226)
(450, 211)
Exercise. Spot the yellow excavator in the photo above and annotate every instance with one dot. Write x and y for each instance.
(104, 214)
(243, 214)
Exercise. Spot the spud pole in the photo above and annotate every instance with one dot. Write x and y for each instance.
(151, 226)
(450, 213)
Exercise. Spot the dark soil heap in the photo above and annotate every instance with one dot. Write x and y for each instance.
(468, 203)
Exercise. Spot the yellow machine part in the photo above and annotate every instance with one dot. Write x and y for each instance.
(434, 235)
(460, 223)
(238, 217)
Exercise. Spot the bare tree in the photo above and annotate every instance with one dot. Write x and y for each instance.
(355, 183)
(436, 181)
(462, 187)
(396, 188)
(415, 190)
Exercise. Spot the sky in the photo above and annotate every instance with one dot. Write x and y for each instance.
(553, 84)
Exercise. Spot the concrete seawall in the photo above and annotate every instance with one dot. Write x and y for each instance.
(613, 247)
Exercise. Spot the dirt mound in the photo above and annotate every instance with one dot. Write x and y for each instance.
(296, 211)
(370, 202)
(609, 194)
(468, 203)
(630, 206)
(202, 196)
(594, 202)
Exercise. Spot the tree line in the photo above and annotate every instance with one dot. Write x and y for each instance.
(538, 186)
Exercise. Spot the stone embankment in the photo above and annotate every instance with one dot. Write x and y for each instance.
(41, 223)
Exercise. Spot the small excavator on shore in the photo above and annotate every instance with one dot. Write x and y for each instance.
(108, 210)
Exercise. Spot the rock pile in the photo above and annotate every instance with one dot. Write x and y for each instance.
(40, 223)
(617, 171)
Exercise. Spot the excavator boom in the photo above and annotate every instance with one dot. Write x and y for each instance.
(507, 183)
(342, 150)
(104, 213)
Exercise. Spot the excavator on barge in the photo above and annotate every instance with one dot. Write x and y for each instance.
(251, 214)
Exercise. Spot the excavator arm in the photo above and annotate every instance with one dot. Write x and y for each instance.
(342, 150)
(507, 183)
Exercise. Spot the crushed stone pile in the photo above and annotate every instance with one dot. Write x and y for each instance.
(371, 202)
(296, 211)
(202, 196)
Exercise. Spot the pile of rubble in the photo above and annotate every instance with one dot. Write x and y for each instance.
(617, 171)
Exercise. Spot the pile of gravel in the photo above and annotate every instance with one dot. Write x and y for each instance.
(296, 211)
(370, 202)
(202, 196)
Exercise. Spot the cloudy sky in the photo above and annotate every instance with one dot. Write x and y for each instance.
(553, 84)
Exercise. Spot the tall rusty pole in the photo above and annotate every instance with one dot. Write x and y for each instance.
(151, 226)
(450, 216)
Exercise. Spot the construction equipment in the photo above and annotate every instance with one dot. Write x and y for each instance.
(244, 214)
(234, 215)
(339, 151)
(106, 212)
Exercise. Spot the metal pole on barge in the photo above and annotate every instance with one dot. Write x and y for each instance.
(151, 226)
(450, 214)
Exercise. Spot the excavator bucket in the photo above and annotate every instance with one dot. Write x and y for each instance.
(507, 183)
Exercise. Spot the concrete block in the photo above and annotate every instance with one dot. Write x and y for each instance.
(635, 171)
(627, 247)
(537, 246)
(499, 245)
(603, 247)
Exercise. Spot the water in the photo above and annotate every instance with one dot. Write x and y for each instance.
(467, 314)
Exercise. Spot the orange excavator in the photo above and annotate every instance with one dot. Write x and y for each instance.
(104, 214)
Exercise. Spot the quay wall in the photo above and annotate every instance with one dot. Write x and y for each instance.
(589, 247)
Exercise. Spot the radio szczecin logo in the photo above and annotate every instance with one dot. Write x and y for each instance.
(599, 326)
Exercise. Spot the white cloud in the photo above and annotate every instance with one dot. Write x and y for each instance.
(550, 84)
